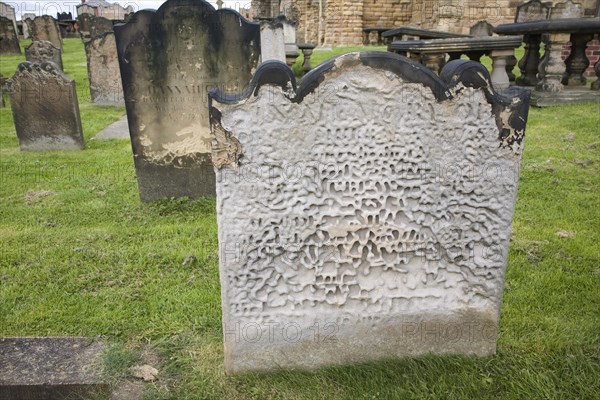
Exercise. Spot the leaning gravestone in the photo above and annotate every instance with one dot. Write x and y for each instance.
(45, 108)
(45, 28)
(169, 59)
(366, 215)
(9, 41)
(103, 70)
(43, 50)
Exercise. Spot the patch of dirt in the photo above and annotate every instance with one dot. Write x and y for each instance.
(33, 196)
(565, 234)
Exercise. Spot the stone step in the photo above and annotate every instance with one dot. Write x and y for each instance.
(49, 368)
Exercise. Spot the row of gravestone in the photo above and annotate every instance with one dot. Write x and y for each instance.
(343, 236)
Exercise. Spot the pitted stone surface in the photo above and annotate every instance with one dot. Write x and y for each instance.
(45, 28)
(49, 368)
(43, 50)
(169, 59)
(359, 217)
(45, 108)
(103, 70)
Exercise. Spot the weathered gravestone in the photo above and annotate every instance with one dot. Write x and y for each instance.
(45, 108)
(91, 26)
(103, 70)
(43, 50)
(9, 41)
(169, 59)
(45, 28)
(367, 214)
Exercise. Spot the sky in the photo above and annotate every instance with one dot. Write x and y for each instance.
(49, 7)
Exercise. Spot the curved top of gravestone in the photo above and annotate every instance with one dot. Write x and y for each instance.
(533, 10)
(454, 77)
(567, 9)
(39, 70)
(41, 45)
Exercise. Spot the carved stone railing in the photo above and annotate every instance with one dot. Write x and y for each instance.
(433, 52)
(414, 32)
(550, 73)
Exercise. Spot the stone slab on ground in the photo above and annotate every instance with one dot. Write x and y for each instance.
(51, 368)
(566, 96)
(116, 130)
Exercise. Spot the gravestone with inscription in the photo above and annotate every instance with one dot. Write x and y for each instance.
(103, 70)
(9, 41)
(45, 28)
(169, 59)
(45, 108)
(43, 50)
(366, 214)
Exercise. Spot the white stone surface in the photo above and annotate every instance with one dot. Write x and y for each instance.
(368, 221)
(272, 43)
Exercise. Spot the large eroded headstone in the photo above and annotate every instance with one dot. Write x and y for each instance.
(169, 59)
(45, 108)
(9, 41)
(103, 70)
(366, 215)
(45, 27)
(43, 50)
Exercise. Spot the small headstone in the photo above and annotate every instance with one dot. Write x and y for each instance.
(533, 10)
(365, 215)
(169, 59)
(103, 70)
(482, 29)
(45, 108)
(52, 368)
(567, 9)
(45, 28)
(43, 50)
(9, 41)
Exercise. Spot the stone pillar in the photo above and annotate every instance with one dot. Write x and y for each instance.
(577, 62)
(499, 76)
(530, 61)
(552, 67)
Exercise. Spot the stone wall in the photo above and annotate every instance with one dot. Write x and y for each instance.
(343, 20)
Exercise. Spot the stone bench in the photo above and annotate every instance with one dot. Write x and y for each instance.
(414, 32)
(433, 52)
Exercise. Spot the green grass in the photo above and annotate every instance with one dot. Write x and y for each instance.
(87, 258)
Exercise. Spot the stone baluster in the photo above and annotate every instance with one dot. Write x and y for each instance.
(511, 61)
(577, 61)
(530, 61)
(552, 67)
(434, 61)
(596, 84)
(307, 50)
(499, 77)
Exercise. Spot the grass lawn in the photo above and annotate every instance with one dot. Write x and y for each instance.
(81, 255)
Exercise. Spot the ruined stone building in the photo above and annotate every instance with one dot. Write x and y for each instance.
(340, 22)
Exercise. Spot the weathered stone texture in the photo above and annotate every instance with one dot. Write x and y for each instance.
(45, 108)
(169, 59)
(9, 41)
(45, 28)
(366, 215)
(103, 70)
(52, 368)
(43, 50)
